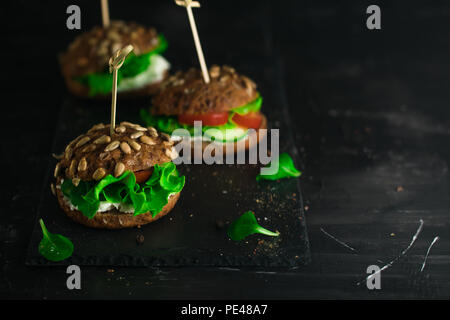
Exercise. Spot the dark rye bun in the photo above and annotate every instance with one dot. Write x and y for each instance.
(90, 53)
(187, 93)
(94, 155)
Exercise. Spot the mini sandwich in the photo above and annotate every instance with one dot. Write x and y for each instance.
(85, 64)
(118, 181)
(229, 103)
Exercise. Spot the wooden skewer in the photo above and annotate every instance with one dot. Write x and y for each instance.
(105, 13)
(115, 62)
(189, 4)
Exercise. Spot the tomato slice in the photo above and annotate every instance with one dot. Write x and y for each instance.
(249, 120)
(143, 175)
(207, 119)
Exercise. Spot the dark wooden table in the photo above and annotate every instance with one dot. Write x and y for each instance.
(370, 117)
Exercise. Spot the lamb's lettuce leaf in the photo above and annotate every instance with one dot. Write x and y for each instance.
(151, 195)
(286, 169)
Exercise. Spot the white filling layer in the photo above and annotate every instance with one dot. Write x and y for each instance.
(154, 73)
(104, 205)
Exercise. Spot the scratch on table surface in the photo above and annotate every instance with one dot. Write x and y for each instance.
(343, 243)
(339, 241)
(419, 230)
(436, 239)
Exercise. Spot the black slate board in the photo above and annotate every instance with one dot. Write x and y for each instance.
(194, 233)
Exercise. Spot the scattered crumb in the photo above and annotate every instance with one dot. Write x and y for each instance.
(306, 208)
(399, 189)
(110, 270)
(140, 239)
(392, 234)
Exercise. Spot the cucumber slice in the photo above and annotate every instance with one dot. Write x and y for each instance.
(225, 133)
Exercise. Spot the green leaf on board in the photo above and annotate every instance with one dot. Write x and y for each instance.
(247, 225)
(286, 169)
(54, 247)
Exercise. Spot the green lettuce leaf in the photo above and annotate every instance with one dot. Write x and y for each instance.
(286, 169)
(253, 106)
(101, 82)
(247, 225)
(150, 196)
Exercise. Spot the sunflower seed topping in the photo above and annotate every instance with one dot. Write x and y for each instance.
(57, 169)
(120, 129)
(112, 146)
(147, 140)
(136, 146)
(97, 127)
(72, 168)
(165, 136)
(82, 142)
(214, 71)
(152, 131)
(136, 135)
(119, 169)
(69, 153)
(76, 181)
(139, 128)
(103, 139)
(82, 165)
(89, 148)
(125, 147)
(99, 174)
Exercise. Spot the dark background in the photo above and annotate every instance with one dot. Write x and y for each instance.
(369, 111)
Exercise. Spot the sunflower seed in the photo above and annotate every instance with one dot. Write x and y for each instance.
(147, 140)
(136, 146)
(104, 156)
(165, 136)
(119, 169)
(69, 154)
(57, 169)
(76, 181)
(120, 129)
(57, 156)
(103, 139)
(89, 148)
(97, 127)
(136, 135)
(128, 124)
(72, 168)
(82, 165)
(214, 71)
(112, 146)
(125, 147)
(139, 128)
(224, 78)
(99, 174)
(82, 142)
(152, 131)
(229, 69)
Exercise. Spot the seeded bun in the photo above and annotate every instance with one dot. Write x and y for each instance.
(187, 93)
(94, 155)
(114, 219)
(90, 53)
